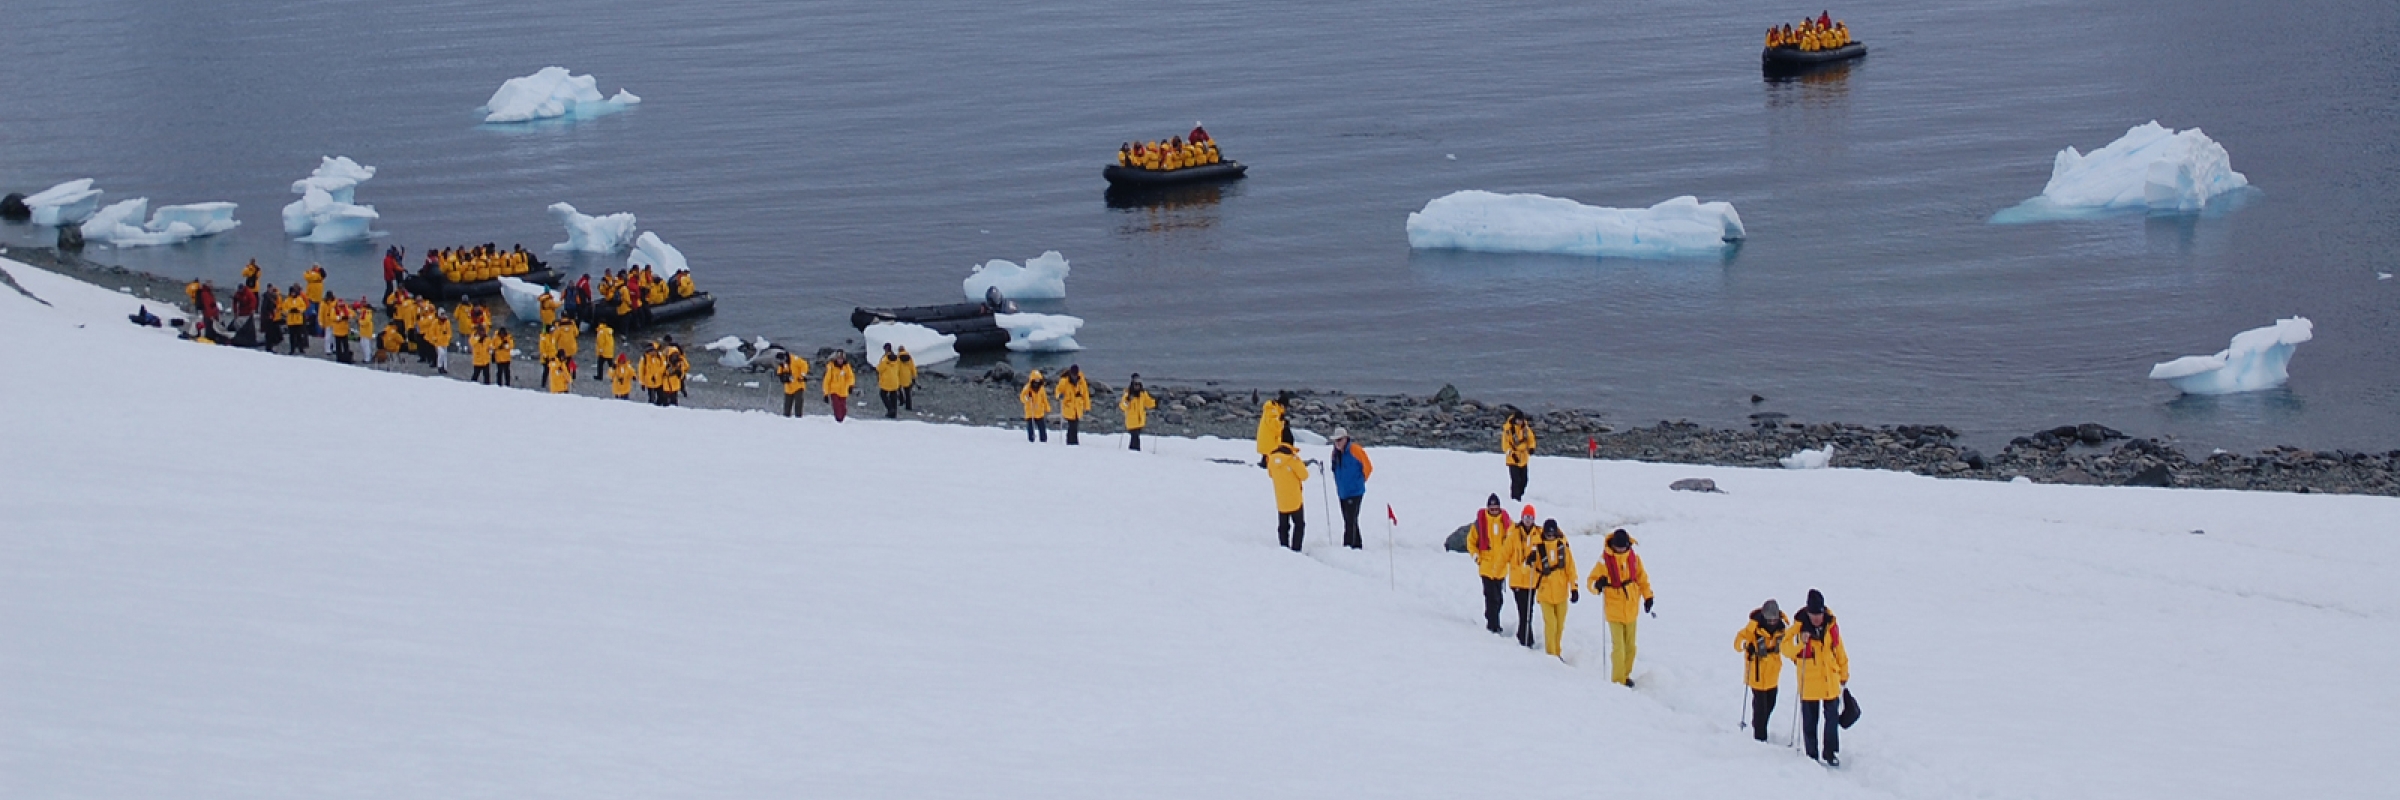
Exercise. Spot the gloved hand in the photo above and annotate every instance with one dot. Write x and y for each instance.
(1574, 596)
(1646, 602)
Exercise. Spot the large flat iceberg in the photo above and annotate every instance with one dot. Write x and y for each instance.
(2151, 167)
(662, 258)
(327, 211)
(1532, 223)
(924, 344)
(120, 223)
(552, 94)
(68, 203)
(1042, 278)
(592, 234)
(1040, 333)
(2256, 360)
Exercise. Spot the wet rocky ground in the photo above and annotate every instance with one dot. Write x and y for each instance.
(2082, 453)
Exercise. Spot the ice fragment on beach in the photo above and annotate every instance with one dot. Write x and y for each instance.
(1532, 223)
(1809, 459)
(925, 345)
(604, 234)
(2256, 360)
(1040, 333)
(2151, 167)
(68, 203)
(552, 93)
(1042, 278)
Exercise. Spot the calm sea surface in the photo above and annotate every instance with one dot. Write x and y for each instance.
(810, 156)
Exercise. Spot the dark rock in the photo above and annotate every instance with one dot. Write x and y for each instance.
(2157, 475)
(13, 208)
(1000, 372)
(70, 237)
(2072, 476)
(1695, 485)
(1447, 398)
(1757, 399)
(1974, 459)
(2095, 433)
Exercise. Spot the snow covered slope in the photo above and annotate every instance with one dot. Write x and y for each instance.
(232, 575)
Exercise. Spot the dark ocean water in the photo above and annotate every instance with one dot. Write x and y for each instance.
(809, 156)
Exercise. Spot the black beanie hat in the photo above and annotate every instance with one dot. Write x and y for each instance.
(1491, 501)
(1620, 539)
(1816, 602)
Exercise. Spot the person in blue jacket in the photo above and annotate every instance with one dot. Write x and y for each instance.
(1350, 471)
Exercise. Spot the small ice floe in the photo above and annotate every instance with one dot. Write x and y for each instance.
(552, 93)
(1042, 278)
(1532, 223)
(925, 345)
(1040, 333)
(327, 211)
(2151, 167)
(1809, 459)
(2256, 360)
(606, 234)
(68, 203)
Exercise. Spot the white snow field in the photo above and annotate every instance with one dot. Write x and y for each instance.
(1040, 333)
(1532, 223)
(552, 93)
(2257, 359)
(925, 345)
(661, 602)
(2151, 167)
(327, 211)
(120, 223)
(68, 203)
(1041, 278)
(603, 234)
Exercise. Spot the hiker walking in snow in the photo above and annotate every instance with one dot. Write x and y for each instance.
(1553, 565)
(1761, 646)
(1036, 400)
(839, 378)
(1815, 647)
(794, 372)
(908, 380)
(887, 382)
(1136, 404)
(1285, 469)
(1487, 540)
(1522, 538)
(1624, 589)
(1516, 448)
(1074, 400)
(1351, 468)
(1272, 430)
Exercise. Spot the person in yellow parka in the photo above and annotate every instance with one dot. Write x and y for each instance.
(569, 336)
(1554, 573)
(887, 381)
(1271, 429)
(908, 380)
(1035, 397)
(1814, 645)
(504, 352)
(1516, 448)
(1136, 404)
(438, 335)
(839, 379)
(562, 375)
(1074, 401)
(545, 346)
(314, 279)
(1624, 588)
(794, 372)
(337, 329)
(1286, 470)
(1761, 646)
(391, 341)
(479, 357)
(1518, 552)
(670, 388)
(1487, 541)
(653, 373)
(363, 316)
(620, 379)
(549, 304)
(604, 345)
(295, 322)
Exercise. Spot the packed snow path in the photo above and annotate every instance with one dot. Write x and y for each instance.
(229, 574)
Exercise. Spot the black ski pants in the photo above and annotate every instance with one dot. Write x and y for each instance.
(1037, 426)
(791, 403)
(1290, 526)
(1762, 708)
(1135, 436)
(891, 404)
(296, 337)
(505, 378)
(341, 349)
(1491, 604)
(1516, 483)
(1074, 427)
(1524, 599)
(1350, 537)
(908, 397)
(1831, 710)
(481, 374)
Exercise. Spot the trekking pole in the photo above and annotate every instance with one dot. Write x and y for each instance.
(1391, 537)
(1324, 476)
(1591, 449)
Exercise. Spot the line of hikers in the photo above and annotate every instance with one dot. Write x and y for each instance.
(1074, 400)
(1199, 150)
(1822, 33)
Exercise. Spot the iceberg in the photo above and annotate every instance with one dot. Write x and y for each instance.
(68, 203)
(653, 252)
(120, 224)
(1532, 223)
(2151, 167)
(2256, 360)
(206, 219)
(552, 93)
(729, 351)
(326, 212)
(924, 344)
(1809, 459)
(1040, 333)
(524, 298)
(1043, 278)
(592, 234)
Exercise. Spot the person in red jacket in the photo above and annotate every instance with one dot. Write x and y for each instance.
(391, 268)
(1199, 134)
(1825, 20)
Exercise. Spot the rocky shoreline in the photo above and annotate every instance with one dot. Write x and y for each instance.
(2083, 454)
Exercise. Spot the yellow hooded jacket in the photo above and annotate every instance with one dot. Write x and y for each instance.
(1621, 581)
(1137, 409)
(1762, 652)
(1288, 473)
(1824, 665)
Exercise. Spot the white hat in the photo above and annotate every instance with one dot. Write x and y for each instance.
(1341, 433)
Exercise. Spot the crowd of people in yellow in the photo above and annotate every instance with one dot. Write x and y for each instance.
(1198, 150)
(478, 263)
(637, 289)
(1822, 33)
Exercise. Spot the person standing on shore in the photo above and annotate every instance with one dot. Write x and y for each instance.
(337, 329)
(604, 345)
(437, 342)
(1136, 404)
(620, 379)
(908, 380)
(839, 377)
(1074, 400)
(1516, 447)
(1815, 648)
(270, 312)
(1036, 400)
(479, 358)
(670, 387)
(1271, 426)
(1487, 540)
(887, 381)
(1523, 540)
(794, 372)
(1351, 469)
(295, 322)
(653, 373)
(569, 334)
(1291, 520)
(1761, 646)
(503, 352)
(1553, 583)
(1624, 589)
(392, 269)
(562, 375)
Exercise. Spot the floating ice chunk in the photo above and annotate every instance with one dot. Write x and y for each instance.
(325, 212)
(552, 93)
(653, 252)
(2256, 360)
(1042, 278)
(1532, 223)
(592, 234)
(729, 351)
(206, 219)
(1040, 333)
(117, 225)
(524, 298)
(1308, 437)
(68, 203)
(1809, 459)
(924, 344)
(2150, 167)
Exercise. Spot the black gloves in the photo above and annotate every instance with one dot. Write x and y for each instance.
(1574, 596)
(1647, 601)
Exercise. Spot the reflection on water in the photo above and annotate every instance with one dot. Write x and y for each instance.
(2278, 405)
(1167, 209)
(1814, 85)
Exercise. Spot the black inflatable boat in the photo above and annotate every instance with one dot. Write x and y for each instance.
(434, 287)
(1136, 176)
(669, 311)
(1785, 58)
(972, 323)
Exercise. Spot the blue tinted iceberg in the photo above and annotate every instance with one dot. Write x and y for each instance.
(524, 298)
(1532, 223)
(552, 94)
(1040, 333)
(120, 223)
(2256, 360)
(925, 345)
(206, 219)
(592, 234)
(68, 203)
(326, 212)
(2151, 167)
(1043, 278)
(662, 258)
